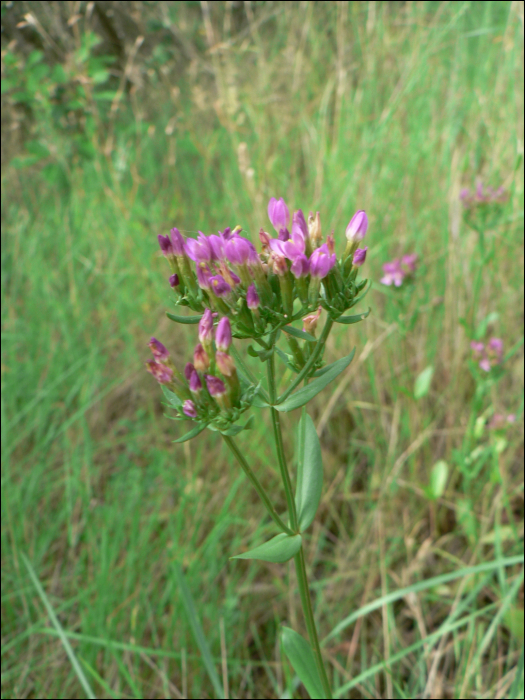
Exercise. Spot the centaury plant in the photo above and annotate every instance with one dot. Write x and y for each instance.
(245, 294)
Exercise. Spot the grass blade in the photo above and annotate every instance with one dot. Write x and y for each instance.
(56, 624)
(198, 632)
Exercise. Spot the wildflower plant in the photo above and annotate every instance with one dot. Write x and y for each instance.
(242, 293)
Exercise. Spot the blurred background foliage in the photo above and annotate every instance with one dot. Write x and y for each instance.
(123, 119)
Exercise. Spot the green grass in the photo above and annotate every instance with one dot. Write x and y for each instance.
(337, 107)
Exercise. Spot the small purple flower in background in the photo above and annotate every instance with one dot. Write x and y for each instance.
(357, 227)
(206, 327)
(498, 420)
(223, 336)
(189, 409)
(300, 266)
(310, 321)
(219, 285)
(394, 273)
(488, 355)
(321, 262)
(165, 245)
(410, 261)
(482, 195)
(199, 249)
(279, 215)
(158, 350)
(359, 256)
(177, 242)
(162, 374)
(201, 361)
(252, 298)
(195, 383)
(216, 386)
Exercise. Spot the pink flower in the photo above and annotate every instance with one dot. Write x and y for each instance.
(394, 273)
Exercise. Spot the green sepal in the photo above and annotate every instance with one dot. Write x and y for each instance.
(353, 319)
(286, 359)
(193, 433)
(236, 429)
(327, 374)
(279, 549)
(363, 295)
(302, 658)
(309, 473)
(183, 319)
(303, 335)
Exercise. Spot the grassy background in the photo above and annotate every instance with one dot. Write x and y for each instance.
(207, 110)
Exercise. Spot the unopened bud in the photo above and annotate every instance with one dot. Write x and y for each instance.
(189, 409)
(225, 363)
(356, 229)
(206, 327)
(201, 360)
(252, 298)
(188, 371)
(216, 386)
(310, 322)
(158, 350)
(314, 228)
(223, 336)
(174, 281)
(359, 257)
(195, 383)
(162, 374)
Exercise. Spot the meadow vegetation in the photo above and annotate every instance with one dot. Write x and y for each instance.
(119, 124)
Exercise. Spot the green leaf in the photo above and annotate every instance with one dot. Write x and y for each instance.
(438, 479)
(303, 335)
(172, 398)
(302, 658)
(277, 550)
(193, 433)
(318, 384)
(198, 632)
(309, 474)
(286, 359)
(482, 327)
(423, 382)
(353, 319)
(183, 319)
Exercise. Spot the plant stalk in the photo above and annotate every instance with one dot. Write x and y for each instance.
(300, 567)
(257, 485)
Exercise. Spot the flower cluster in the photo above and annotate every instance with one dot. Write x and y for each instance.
(209, 385)
(489, 355)
(482, 195)
(398, 269)
(291, 276)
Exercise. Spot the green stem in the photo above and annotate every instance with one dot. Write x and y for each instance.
(257, 486)
(304, 591)
(313, 358)
(276, 420)
(306, 602)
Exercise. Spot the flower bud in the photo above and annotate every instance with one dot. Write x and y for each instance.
(206, 327)
(330, 243)
(314, 228)
(162, 374)
(278, 214)
(177, 242)
(265, 239)
(195, 382)
(216, 386)
(165, 245)
(223, 336)
(189, 409)
(158, 350)
(174, 281)
(225, 364)
(356, 229)
(201, 360)
(252, 298)
(321, 262)
(310, 321)
(359, 256)
(199, 249)
(188, 371)
(203, 275)
(300, 266)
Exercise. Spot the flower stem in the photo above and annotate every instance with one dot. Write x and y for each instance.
(300, 567)
(257, 485)
(313, 358)
(306, 602)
